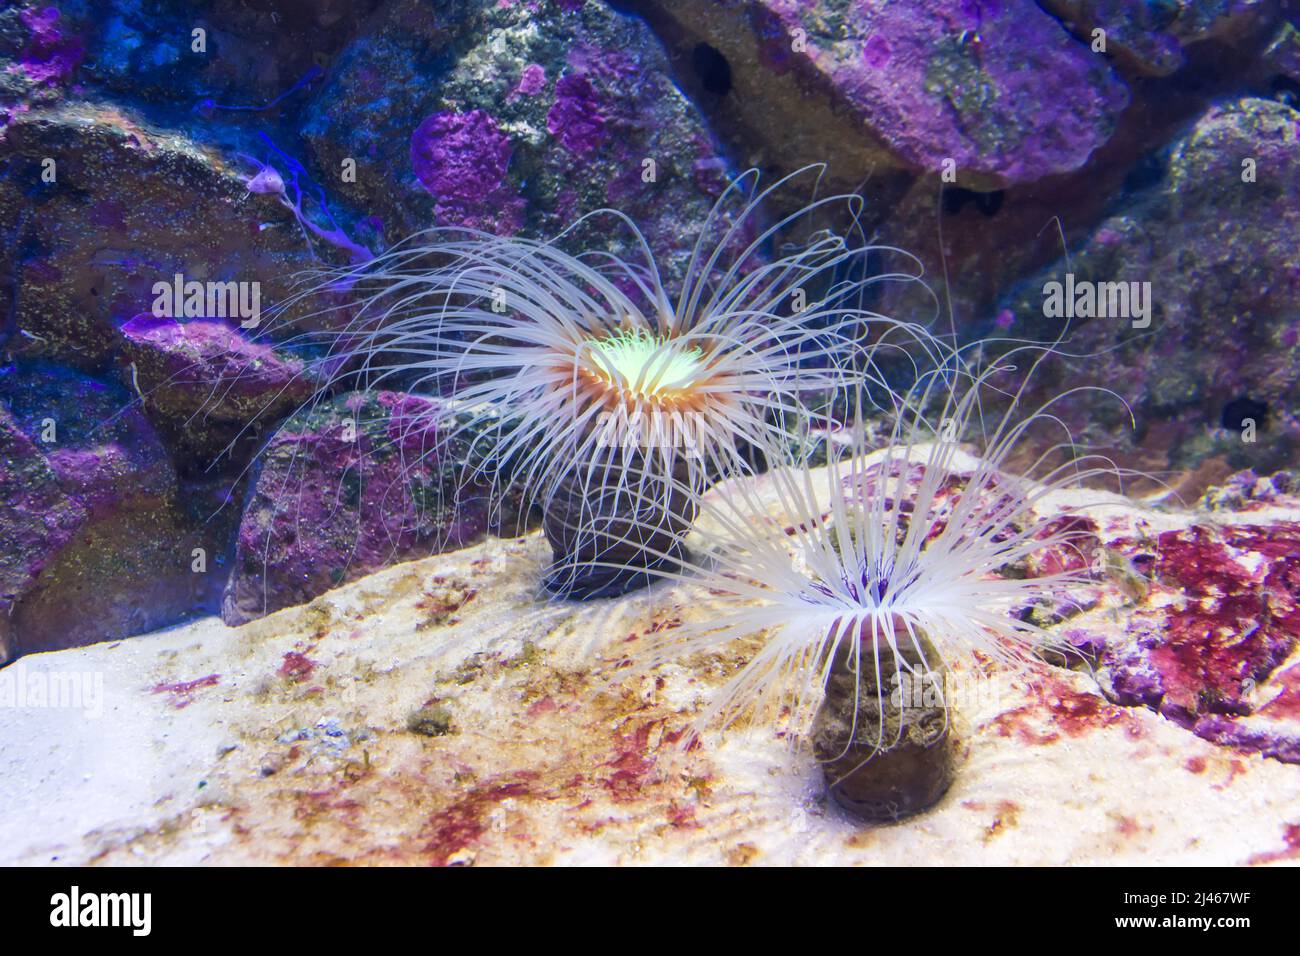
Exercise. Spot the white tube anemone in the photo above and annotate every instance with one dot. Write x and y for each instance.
(902, 558)
(590, 369)
(590, 358)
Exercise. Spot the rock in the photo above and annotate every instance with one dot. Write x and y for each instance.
(546, 770)
(1152, 36)
(1216, 239)
(260, 58)
(97, 545)
(1247, 491)
(208, 387)
(38, 519)
(131, 206)
(253, 61)
(1281, 62)
(1221, 617)
(995, 86)
(974, 247)
(1213, 645)
(345, 487)
(498, 118)
(40, 52)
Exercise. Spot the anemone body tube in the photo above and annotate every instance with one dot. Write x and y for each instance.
(881, 731)
(608, 534)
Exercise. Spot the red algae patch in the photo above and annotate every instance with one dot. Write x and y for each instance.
(182, 692)
(296, 666)
(1222, 616)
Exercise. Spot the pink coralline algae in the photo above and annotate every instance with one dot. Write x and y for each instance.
(206, 366)
(181, 693)
(50, 57)
(462, 159)
(1231, 620)
(532, 81)
(576, 119)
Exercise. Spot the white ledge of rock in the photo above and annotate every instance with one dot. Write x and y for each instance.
(287, 741)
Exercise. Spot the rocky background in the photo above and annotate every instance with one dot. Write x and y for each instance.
(991, 138)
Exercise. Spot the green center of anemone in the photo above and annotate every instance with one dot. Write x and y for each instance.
(645, 363)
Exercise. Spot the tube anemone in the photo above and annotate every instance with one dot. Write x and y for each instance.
(614, 401)
(886, 567)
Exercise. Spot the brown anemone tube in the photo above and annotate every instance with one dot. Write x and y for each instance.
(882, 736)
(608, 530)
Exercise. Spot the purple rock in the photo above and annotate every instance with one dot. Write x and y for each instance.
(1214, 243)
(525, 117)
(151, 204)
(1227, 732)
(346, 488)
(876, 51)
(96, 546)
(1000, 89)
(37, 519)
(204, 381)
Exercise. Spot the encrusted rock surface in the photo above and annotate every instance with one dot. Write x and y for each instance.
(1218, 239)
(130, 206)
(346, 487)
(97, 543)
(1152, 36)
(515, 118)
(208, 386)
(442, 712)
(911, 84)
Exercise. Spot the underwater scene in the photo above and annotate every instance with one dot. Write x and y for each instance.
(661, 432)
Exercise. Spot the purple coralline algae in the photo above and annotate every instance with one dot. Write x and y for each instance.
(532, 81)
(575, 119)
(345, 488)
(51, 56)
(462, 160)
